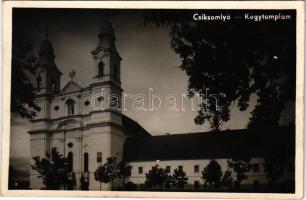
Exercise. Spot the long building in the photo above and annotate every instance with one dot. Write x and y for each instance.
(192, 152)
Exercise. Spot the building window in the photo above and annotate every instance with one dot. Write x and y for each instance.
(70, 161)
(196, 185)
(140, 170)
(86, 159)
(39, 82)
(100, 69)
(87, 103)
(53, 85)
(196, 169)
(99, 157)
(255, 167)
(180, 168)
(70, 144)
(100, 98)
(70, 106)
(168, 169)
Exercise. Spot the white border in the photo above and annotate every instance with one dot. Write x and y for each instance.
(7, 39)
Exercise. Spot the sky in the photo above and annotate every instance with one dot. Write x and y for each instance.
(148, 62)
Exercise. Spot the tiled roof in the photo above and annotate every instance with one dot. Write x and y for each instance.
(132, 128)
(209, 145)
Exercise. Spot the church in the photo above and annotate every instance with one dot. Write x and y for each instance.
(71, 119)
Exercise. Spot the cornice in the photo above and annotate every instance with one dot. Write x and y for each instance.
(111, 83)
(77, 116)
(87, 127)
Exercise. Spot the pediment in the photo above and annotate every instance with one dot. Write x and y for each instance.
(69, 124)
(71, 86)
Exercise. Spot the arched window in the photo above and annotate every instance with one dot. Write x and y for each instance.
(39, 82)
(70, 106)
(100, 69)
(70, 161)
(86, 159)
(53, 85)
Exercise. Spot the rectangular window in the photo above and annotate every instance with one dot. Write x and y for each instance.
(196, 169)
(196, 185)
(99, 157)
(255, 167)
(180, 167)
(168, 169)
(140, 170)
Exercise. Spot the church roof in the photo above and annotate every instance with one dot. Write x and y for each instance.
(71, 86)
(132, 128)
(46, 47)
(211, 145)
(46, 56)
(106, 27)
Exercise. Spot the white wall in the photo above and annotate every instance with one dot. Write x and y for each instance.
(188, 167)
(38, 148)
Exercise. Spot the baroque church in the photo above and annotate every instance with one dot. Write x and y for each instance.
(87, 134)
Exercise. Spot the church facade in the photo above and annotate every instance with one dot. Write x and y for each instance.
(71, 120)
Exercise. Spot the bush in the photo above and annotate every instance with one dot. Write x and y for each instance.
(130, 186)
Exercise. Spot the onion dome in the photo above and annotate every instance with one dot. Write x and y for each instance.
(46, 49)
(106, 28)
(106, 37)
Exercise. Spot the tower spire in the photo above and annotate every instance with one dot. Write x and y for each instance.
(46, 52)
(105, 55)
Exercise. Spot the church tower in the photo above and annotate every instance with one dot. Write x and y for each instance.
(47, 73)
(106, 97)
(105, 56)
(46, 82)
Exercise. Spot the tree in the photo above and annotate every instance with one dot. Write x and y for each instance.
(157, 176)
(233, 60)
(169, 181)
(22, 90)
(107, 172)
(111, 170)
(227, 180)
(53, 169)
(277, 156)
(240, 166)
(212, 174)
(124, 171)
(274, 168)
(179, 178)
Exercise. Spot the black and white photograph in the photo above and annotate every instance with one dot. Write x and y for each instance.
(153, 100)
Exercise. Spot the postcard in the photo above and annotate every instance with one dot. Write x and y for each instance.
(153, 99)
